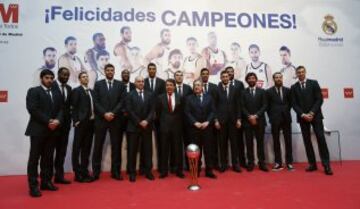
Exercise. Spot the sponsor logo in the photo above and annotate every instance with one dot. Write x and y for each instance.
(325, 93)
(3, 96)
(348, 93)
(329, 27)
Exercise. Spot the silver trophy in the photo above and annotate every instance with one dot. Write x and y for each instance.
(193, 154)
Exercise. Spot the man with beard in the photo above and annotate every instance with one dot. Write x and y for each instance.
(122, 49)
(288, 70)
(236, 61)
(261, 69)
(64, 89)
(109, 98)
(160, 53)
(175, 59)
(215, 57)
(70, 61)
(193, 63)
(44, 105)
(254, 104)
(49, 56)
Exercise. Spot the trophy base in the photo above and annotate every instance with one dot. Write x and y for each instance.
(194, 187)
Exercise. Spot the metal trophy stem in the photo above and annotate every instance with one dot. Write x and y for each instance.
(193, 154)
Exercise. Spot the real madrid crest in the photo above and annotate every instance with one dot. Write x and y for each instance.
(329, 26)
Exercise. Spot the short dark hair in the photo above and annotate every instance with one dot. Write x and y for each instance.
(108, 66)
(276, 73)
(300, 67)
(285, 48)
(171, 80)
(229, 67)
(163, 31)
(46, 72)
(254, 46)
(49, 49)
(151, 64)
(96, 35)
(122, 30)
(204, 69)
(82, 73)
(102, 53)
(223, 72)
(62, 69)
(178, 71)
(191, 39)
(69, 38)
(236, 44)
(173, 52)
(249, 75)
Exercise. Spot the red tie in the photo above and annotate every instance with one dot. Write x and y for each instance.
(169, 103)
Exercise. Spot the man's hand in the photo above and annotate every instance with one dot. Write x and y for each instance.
(238, 123)
(53, 124)
(252, 120)
(204, 125)
(109, 116)
(143, 124)
(198, 125)
(217, 125)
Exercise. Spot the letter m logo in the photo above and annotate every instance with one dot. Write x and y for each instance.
(9, 13)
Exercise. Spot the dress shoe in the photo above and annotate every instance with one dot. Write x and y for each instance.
(328, 171)
(117, 176)
(263, 167)
(250, 167)
(150, 176)
(163, 175)
(62, 181)
(48, 186)
(180, 175)
(132, 178)
(237, 168)
(277, 167)
(210, 174)
(222, 169)
(311, 168)
(290, 167)
(34, 192)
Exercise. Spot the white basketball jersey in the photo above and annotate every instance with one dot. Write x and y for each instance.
(289, 75)
(217, 61)
(261, 73)
(189, 67)
(162, 63)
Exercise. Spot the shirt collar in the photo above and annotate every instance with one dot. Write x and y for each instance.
(45, 88)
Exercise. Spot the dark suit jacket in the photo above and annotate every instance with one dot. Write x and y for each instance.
(81, 104)
(197, 111)
(186, 90)
(159, 86)
(308, 100)
(67, 106)
(254, 105)
(41, 110)
(132, 86)
(213, 91)
(139, 110)
(279, 110)
(227, 108)
(169, 120)
(109, 101)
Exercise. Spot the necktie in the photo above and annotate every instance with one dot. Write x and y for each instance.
(141, 96)
(110, 85)
(179, 90)
(48, 91)
(253, 92)
(302, 85)
(206, 88)
(169, 103)
(226, 91)
(91, 103)
(152, 84)
(63, 92)
(200, 98)
(279, 92)
(232, 82)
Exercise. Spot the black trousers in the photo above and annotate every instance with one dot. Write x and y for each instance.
(41, 149)
(144, 140)
(60, 152)
(157, 144)
(258, 131)
(171, 142)
(186, 142)
(241, 146)
(204, 139)
(318, 127)
(285, 126)
(228, 132)
(83, 139)
(101, 129)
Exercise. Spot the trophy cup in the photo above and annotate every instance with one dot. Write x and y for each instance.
(193, 154)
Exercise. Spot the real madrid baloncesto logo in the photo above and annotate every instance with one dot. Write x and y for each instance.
(329, 26)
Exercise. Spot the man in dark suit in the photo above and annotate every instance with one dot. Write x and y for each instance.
(254, 104)
(64, 89)
(279, 106)
(140, 105)
(109, 98)
(183, 90)
(307, 101)
(83, 115)
(200, 112)
(45, 106)
(212, 90)
(169, 110)
(239, 88)
(227, 121)
(156, 86)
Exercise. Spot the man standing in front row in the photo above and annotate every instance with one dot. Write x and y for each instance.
(140, 107)
(109, 98)
(44, 105)
(83, 115)
(307, 101)
(279, 106)
(200, 112)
